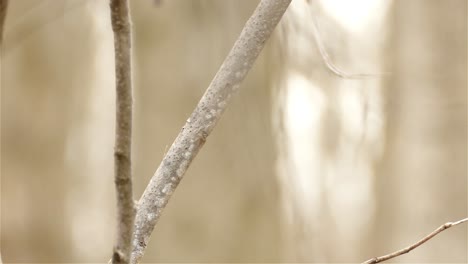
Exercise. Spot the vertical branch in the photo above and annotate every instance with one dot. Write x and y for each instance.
(3, 11)
(120, 18)
(203, 119)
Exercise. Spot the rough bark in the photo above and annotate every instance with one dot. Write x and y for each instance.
(203, 119)
(120, 19)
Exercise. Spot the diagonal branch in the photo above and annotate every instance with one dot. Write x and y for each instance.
(120, 18)
(203, 119)
(415, 245)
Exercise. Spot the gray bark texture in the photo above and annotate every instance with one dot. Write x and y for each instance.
(120, 18)
(203, 119)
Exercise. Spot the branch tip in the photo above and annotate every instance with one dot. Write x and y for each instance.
(415, 245)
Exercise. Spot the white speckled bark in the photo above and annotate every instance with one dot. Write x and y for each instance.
(203, 119)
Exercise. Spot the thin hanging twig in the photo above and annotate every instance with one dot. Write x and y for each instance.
(329, 63)
(203, 119)
(120, 18)
(415, 245)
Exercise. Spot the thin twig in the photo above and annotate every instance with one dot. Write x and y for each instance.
(3, 12)
(203, 119)
(329, 63)
(415, 245)
(120, 18)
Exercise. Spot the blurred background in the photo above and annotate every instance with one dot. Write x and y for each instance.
(304, 166)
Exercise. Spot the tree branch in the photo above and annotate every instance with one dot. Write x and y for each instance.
(415, 245)
(203, 119)
(120, 18)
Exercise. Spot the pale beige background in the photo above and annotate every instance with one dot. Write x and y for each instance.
(57, 119)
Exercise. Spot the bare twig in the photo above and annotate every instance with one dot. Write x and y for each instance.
(3, 12)
(203, 119)
(415, 245)
(120, 18)
(329, 63)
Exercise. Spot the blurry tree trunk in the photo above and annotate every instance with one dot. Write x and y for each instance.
(56, 150)
(3, 13)
(424, 167)
(33, 142)
(329, 129)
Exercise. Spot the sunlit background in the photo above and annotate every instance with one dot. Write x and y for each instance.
(305, 166)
